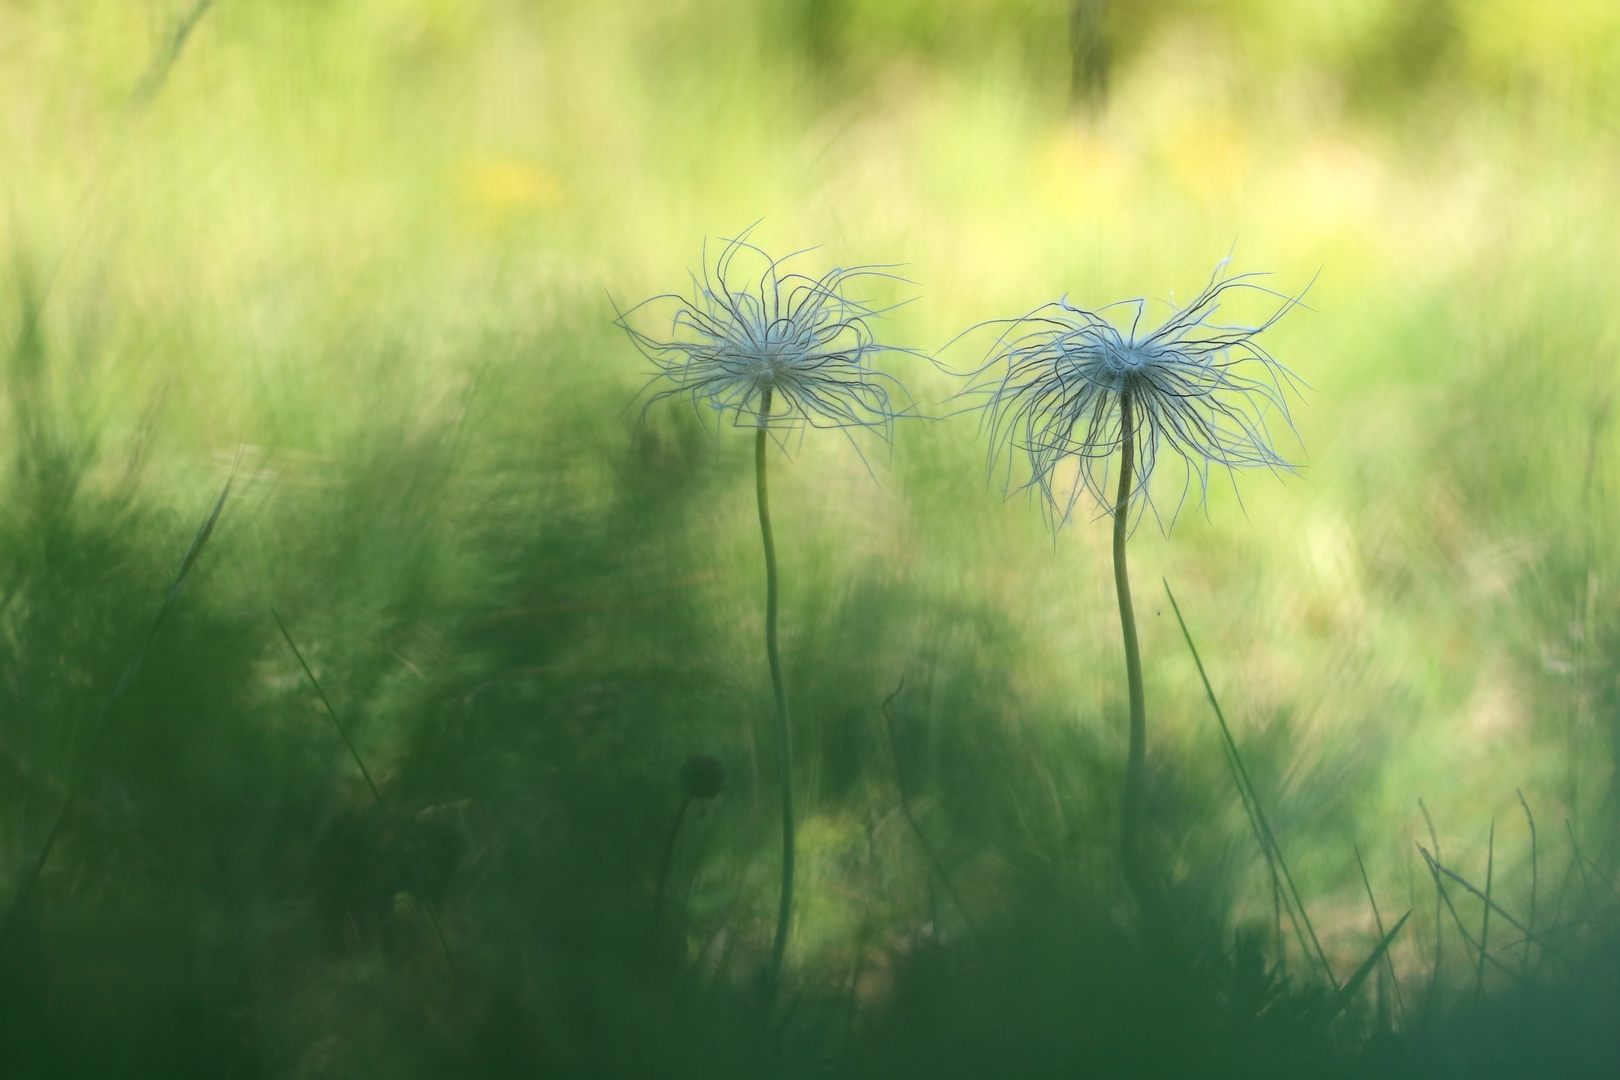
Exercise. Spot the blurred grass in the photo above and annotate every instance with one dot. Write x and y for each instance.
(379, 245)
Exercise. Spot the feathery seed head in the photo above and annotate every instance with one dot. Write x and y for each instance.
(1203, 390)
(770, 347)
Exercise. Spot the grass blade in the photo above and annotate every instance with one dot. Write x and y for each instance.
(30, 877)
(1438, 866)
(1268, 841)
(410, 860)
(1524, 961)
(1433, 991)
(1485, 923)
(1347, 993)
(1586, 882)
(1379, 922)
(1436, 869)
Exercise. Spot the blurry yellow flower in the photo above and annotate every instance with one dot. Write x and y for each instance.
(498, 187)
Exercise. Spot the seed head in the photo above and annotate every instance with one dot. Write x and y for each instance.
(703, 776)
(769, 347)
(1054, 380)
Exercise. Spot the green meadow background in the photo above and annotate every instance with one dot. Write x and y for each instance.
(364, 256)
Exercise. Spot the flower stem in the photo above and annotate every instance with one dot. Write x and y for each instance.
(1136, 762)
(669, 856)
(784, 725)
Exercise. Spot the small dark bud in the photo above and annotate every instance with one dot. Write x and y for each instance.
(703, 776)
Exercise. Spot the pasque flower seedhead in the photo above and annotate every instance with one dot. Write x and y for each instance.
(1055, 379)
(774, 350)
(771, 348)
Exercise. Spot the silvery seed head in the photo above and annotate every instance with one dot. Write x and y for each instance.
(768, 347)
(1204, 391)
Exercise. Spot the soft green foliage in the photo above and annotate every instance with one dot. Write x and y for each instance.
(368, 246)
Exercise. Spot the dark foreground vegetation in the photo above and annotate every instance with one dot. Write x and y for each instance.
(533, 887)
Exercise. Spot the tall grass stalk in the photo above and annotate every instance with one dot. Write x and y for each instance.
(1342, 994)
(1282, 878)
(1477, 948)
(1439, 868)
(1485, 918)
(1345, 994)
(382, 804)
(1432, 994)
(1524, 959)
(30, 877)
(1378, 921)
(1586, 881)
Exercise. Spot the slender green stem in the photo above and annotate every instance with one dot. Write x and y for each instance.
(669, 856)
(784, 724)
(1136, 763)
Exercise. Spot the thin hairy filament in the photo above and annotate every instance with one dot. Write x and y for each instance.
(784, 725)
(1136, 762)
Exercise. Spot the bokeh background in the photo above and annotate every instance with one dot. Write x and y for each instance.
(365, 256)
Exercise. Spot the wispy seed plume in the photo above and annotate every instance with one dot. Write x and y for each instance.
(770, 347)
(1204, 391)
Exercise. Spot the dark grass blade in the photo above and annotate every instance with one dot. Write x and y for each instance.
(1251, 797)
(1485, 919)
(1438, 867)
(1580, 861)
(1468, 939)
(1580, 864)
(1347, 993)
(30, 877)
(1433, 990)
(1555, 928)
(1524, 961)
(382, 804)
(1445, 898)
(1379, 922)
(1276, 911)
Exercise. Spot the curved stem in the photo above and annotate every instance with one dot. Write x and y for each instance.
(1136, 762)
(784, 725)
(669, 855)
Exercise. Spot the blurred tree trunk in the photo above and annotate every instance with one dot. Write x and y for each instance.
(1090, 52)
